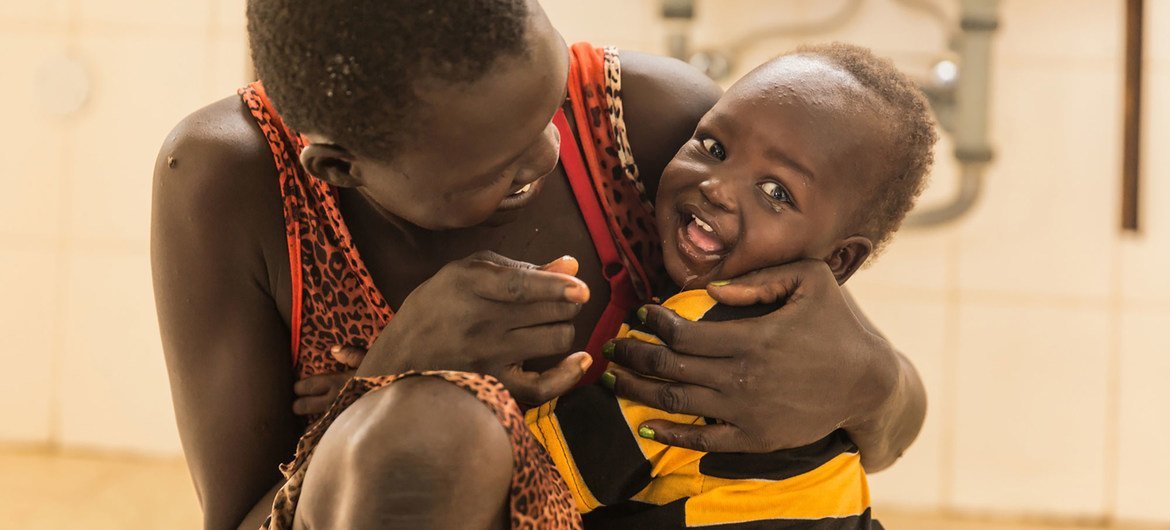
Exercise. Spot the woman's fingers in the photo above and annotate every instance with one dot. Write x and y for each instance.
(316, 385)
(660, 361)
(532, 388)
(538, 313)
(501, 283)
(563, 265)
(350, 356)
(774, 284)
(707, 339)
(670, 396)
(312, 405)
(316, 393)
(539, 341)
(719, 438)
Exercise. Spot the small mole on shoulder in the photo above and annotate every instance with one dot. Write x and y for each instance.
(171, 162)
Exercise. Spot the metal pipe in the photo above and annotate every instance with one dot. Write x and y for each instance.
(679, 16)
(978, 21)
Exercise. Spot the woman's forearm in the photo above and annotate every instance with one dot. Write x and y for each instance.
(889, 430)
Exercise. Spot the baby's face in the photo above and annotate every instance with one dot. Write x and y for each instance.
(775, 172)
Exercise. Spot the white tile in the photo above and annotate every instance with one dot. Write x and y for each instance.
(1157, 46)
(228, 65)
(32, 148)
(115, 393)
(1061, 30)
(229, 15)
(1031, 410)
(915, 260)
(144, 14)
(142, 86)
(762, 29)
(41, 13)
(630, 25)
(1145, 258)
(918, 329)
(1143, 464)
(1047, 221)
(30, 323)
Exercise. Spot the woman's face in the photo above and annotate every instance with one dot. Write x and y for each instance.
(481, 147)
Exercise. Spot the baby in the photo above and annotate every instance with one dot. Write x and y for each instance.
(816, 154)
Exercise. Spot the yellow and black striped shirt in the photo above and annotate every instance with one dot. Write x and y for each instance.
(620, 480)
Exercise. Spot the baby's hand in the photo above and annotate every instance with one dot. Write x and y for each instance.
(316, 393)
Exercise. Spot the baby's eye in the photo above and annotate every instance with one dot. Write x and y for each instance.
(776, 192)
(714, 148)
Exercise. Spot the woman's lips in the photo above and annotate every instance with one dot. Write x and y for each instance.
(521, 197)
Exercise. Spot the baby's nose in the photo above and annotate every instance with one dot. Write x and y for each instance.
(718, 194)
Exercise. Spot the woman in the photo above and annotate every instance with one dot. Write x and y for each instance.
(431, 132)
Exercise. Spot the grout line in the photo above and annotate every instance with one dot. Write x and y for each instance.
(56, 363)
(950, 375)
(1112, 447)
(211, 47)
(985, 297)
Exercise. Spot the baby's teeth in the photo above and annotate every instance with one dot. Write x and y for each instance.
(706, 227)
(524, 189)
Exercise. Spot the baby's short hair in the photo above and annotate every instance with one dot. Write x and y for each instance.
(347, 68)
(913, 134)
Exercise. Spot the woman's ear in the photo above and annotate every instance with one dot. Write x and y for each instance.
(849, 256)
(331, 163)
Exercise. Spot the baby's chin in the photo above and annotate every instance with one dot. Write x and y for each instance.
(687, 277)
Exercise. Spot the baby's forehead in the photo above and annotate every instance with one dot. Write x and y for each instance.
(810, 78)
(813, 111)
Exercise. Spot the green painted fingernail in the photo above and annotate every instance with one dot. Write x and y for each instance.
(607, 350)
(608, 380)
(646, 433)
(720, 283)
(642, 314)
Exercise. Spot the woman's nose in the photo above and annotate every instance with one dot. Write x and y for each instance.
(718, 194)
(541, 158)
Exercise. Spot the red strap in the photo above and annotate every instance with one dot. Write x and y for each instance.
(622, 297)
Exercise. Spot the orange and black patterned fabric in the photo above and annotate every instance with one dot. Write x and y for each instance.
(335, 301)
(621, 480)
(538, 498)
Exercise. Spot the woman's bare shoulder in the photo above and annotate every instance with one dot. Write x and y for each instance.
(219, 151)
(663, 98)
(216, 186)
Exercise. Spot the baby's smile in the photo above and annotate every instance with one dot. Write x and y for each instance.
(703, 238)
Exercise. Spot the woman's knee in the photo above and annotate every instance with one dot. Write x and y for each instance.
(420, 452)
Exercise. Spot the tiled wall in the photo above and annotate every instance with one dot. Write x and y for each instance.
(1039, 329)
(82, 341)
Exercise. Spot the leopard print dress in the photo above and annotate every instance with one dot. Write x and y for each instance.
(335, 301)
(537, 499)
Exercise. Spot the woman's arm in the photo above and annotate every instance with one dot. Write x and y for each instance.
(897, 424)
(216, 235)
(781, 380)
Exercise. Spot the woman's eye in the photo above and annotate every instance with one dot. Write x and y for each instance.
(776, 192)
(714, 148)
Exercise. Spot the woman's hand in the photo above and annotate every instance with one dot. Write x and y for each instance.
(488, 314)
(316, 393)
(782, 380)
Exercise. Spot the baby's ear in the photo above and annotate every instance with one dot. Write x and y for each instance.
(849, 256)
